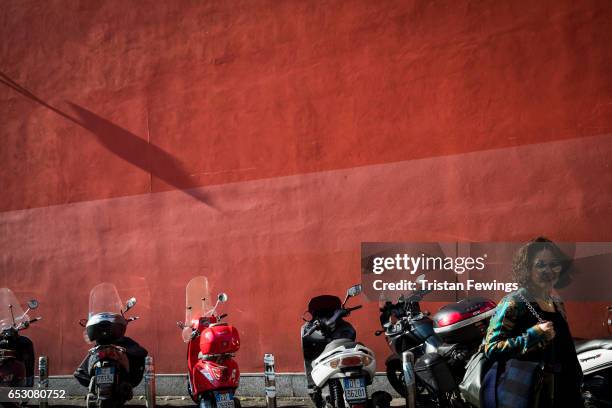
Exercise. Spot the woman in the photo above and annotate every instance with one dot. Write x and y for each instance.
(515, 331)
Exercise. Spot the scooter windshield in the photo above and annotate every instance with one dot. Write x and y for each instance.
(9, 301)
(198, 299)
(104, 298)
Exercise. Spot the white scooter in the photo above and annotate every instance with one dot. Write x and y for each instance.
(595, 357)
(335, 364)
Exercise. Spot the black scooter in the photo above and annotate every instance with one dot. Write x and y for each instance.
(116, 364)
(441, 346)
(16, 351)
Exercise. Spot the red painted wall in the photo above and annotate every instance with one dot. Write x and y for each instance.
(301, 129)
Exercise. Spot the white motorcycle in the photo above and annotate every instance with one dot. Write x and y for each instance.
(338, 369)
(595, 357)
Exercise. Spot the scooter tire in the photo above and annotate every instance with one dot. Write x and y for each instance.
(237, 403)
(108, 404)
(381, 399)
(395, 376)
(202, 403)
(316, 400)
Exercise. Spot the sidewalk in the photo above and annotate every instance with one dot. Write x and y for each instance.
(247, 402)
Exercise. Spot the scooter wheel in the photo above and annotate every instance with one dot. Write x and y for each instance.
(395, 375)
(381, 399)
(237, 403)
(316, 399)
(106, 404)
(206, 403)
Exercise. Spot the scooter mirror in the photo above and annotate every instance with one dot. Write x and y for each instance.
(130, 304)
(32, 304)
(186, 334)
(222, 297)
(354, 290)
(307, 316)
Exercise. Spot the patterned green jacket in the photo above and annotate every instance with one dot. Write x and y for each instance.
(513, 329)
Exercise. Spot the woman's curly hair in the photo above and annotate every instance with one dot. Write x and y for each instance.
(523, 261)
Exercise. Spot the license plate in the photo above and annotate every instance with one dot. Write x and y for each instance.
(105, 375)
(224, 400)
(354, 389)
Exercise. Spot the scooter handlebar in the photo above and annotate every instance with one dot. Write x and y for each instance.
(26, 323)
(315, 326)
(322, 323)
(337, 314)
(417, 296)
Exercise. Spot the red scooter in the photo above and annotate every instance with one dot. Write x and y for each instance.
(213, 373)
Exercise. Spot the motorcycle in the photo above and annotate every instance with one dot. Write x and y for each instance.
(595, 358)
(116, 364)
(16, 351)
(333, 361)
(441, 346)
(213, 373)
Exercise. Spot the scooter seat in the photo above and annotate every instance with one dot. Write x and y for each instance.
(588, 345)
(347, 343)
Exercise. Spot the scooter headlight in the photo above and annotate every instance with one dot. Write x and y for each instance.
(351, 361)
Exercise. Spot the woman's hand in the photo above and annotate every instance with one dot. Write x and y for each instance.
(547, 329)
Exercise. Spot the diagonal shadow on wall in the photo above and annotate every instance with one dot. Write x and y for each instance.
(123, 143)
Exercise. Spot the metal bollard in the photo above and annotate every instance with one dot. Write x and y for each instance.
(43, 379)
(270, 380)
(149, 385)
(409, 378)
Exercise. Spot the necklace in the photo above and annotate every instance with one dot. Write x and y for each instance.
(548, 300)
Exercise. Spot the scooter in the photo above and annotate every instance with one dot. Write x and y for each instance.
(16, 351)
(441, 345)
(213, 373)
(333, 361)
(595, 358)
(116, 364)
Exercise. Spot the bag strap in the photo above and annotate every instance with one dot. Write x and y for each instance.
(530, 307)
(480, 348)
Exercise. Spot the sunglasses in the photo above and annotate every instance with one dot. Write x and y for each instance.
(554, 266)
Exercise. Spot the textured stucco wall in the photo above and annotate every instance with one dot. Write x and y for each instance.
(260, 142)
